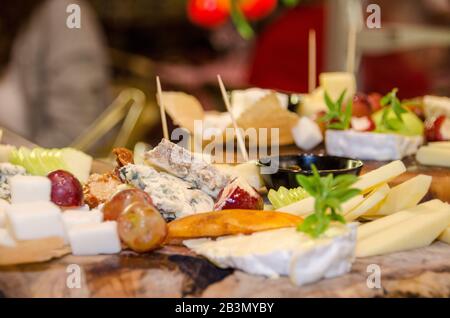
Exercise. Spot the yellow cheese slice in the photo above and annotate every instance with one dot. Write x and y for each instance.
(445, 236)
(405, 195)
(440, 144)
(418, 231)
(434, 156)
(306, 206)
(371, 201)
(375, 178)
(370, 228)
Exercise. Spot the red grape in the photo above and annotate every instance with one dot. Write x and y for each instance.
(66, 189)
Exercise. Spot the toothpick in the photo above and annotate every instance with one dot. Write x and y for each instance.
(239, 137)
(162, 108)
(351, 48)
(311, 61)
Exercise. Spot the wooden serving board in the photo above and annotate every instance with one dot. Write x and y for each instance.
(177, 272)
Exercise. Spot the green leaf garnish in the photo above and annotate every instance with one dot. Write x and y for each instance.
(337, 117)
(329, 193)
(390, 102)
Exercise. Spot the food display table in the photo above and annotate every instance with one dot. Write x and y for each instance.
(178, 272)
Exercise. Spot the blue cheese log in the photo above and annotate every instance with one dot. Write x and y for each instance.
(184, 164)
(172, 196)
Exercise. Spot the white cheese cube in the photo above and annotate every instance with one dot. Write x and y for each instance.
(370, 145)
(6, 239)
(76, 217)
(3, 205)
(29, 221)
(29, 189)
(94, 238)
(306, 133)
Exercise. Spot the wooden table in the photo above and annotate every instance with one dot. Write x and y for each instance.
(177, 272)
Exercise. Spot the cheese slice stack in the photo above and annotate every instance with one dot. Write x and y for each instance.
(405, 230)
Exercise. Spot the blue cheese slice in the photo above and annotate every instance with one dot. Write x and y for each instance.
(7, 171)
(284, 252)
(370, 145)
(185, 165)
(172, 196)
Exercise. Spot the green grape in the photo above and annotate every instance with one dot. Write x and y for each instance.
(284, 196)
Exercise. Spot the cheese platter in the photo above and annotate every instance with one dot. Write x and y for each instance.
(168, 210)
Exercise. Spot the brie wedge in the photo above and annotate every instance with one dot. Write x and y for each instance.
(284, 252)
(370, 145)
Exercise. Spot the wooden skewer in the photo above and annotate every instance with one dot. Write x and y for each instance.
(239, 137)
(351, 48)
(311, 61)
(162, 108)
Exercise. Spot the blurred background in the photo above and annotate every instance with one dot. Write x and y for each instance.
(94, 87)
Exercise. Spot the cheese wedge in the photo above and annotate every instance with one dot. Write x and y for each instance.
(368, 229)
(374, 178)
(371, 201)
(418, 231)
(334, 83)
(434, 156)
(406, 195)
(306, 206)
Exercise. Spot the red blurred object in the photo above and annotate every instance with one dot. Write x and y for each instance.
(257, 9)
(374, 100)
(361, 106)
(280, 59)
(434, 129)
(381, 73)
(208, 13)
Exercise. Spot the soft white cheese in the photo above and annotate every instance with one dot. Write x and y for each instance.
(29, 189)
(370, 145)
(306, 133)
(284, 252)
(76, 217)
(94, 238)
(29, 221)
(6, 239)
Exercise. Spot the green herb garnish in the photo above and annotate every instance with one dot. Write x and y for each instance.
(337, 117)
(390, 102)
(329, 193)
